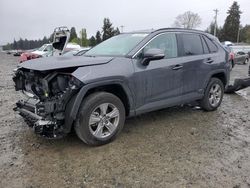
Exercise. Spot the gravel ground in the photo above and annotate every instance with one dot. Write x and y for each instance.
(175, 147)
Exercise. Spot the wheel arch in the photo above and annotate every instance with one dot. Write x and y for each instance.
(221, 76)
(117, 88)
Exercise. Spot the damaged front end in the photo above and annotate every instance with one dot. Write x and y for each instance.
(47, 95)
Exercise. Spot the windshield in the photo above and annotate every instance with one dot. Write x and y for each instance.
(119, 45)
(42, 48)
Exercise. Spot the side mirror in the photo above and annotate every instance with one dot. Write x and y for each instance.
(151, 55)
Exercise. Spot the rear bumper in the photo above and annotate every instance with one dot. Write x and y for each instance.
(45, 127)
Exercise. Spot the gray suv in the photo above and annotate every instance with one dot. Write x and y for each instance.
(126, 75)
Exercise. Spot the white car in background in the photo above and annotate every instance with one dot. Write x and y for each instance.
(60, 42)
(46, 50)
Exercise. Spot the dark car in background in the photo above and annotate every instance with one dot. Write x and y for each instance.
(18, 53)
(126, 75)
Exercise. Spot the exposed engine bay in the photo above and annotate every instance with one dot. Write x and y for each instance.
(47, 95)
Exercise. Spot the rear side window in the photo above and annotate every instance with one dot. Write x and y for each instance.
(192, 44)
(212, 47)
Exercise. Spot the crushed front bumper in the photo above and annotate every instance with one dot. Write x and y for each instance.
(45, 127)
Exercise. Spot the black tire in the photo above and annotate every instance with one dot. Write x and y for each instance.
(87, 107)
(233, 64)
(245, 62)
(205, 103)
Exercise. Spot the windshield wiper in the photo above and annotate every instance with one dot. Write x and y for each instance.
(89, 55)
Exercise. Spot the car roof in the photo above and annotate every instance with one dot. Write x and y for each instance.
(166, 29)
(150, 31)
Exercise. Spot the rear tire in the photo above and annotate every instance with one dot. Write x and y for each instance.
(100, 118)
(213, 95)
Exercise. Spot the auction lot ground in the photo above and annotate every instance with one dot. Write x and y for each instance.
(175, 147)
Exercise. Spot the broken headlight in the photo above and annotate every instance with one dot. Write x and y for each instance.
(63, 82)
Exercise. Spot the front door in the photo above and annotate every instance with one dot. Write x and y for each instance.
(160, 81)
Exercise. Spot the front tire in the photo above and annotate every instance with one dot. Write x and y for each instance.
(213, 95)
(246, 61)
(233, 64)
(100, 118)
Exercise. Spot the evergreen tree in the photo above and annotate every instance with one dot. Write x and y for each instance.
(98, 37)
(15, 45)
(245, 34)
(7, 47)
(26, 44)
(76, 41)
(232, 23)
(83, 39)
(107, 29)
(73, 34)
(92, 41)
(210, 30)
(117, 31)
(20, 44)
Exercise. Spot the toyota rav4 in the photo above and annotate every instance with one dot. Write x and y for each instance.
(126, 75)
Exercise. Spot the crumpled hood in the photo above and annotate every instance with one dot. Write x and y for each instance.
(51, 63)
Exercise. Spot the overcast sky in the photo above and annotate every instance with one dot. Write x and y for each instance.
(33, 19)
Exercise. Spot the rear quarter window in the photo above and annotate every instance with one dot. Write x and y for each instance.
(212, 47)
(205, 47)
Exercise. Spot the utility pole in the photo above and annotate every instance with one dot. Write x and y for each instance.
(238, 35)
(215, 21)
(122, 26)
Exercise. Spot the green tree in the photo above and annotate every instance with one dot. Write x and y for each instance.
(107, 29)
(7, 47)
(232, 23)
(76, 41)
(15, 45)
(83, 38)
(98, 37)
(117, 31)
(245, 34)
(20, 44)
(73, 34)
(92, 41)
(45, 40)
(210, 30)
(26, 44)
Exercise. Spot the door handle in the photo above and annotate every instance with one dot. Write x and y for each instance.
(209, 60)
(177, 67)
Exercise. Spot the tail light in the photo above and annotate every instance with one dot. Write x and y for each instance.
(231, 56)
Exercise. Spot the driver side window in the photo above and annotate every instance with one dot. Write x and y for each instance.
(166, 42)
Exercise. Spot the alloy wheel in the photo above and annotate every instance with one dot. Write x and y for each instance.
(104, 120)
